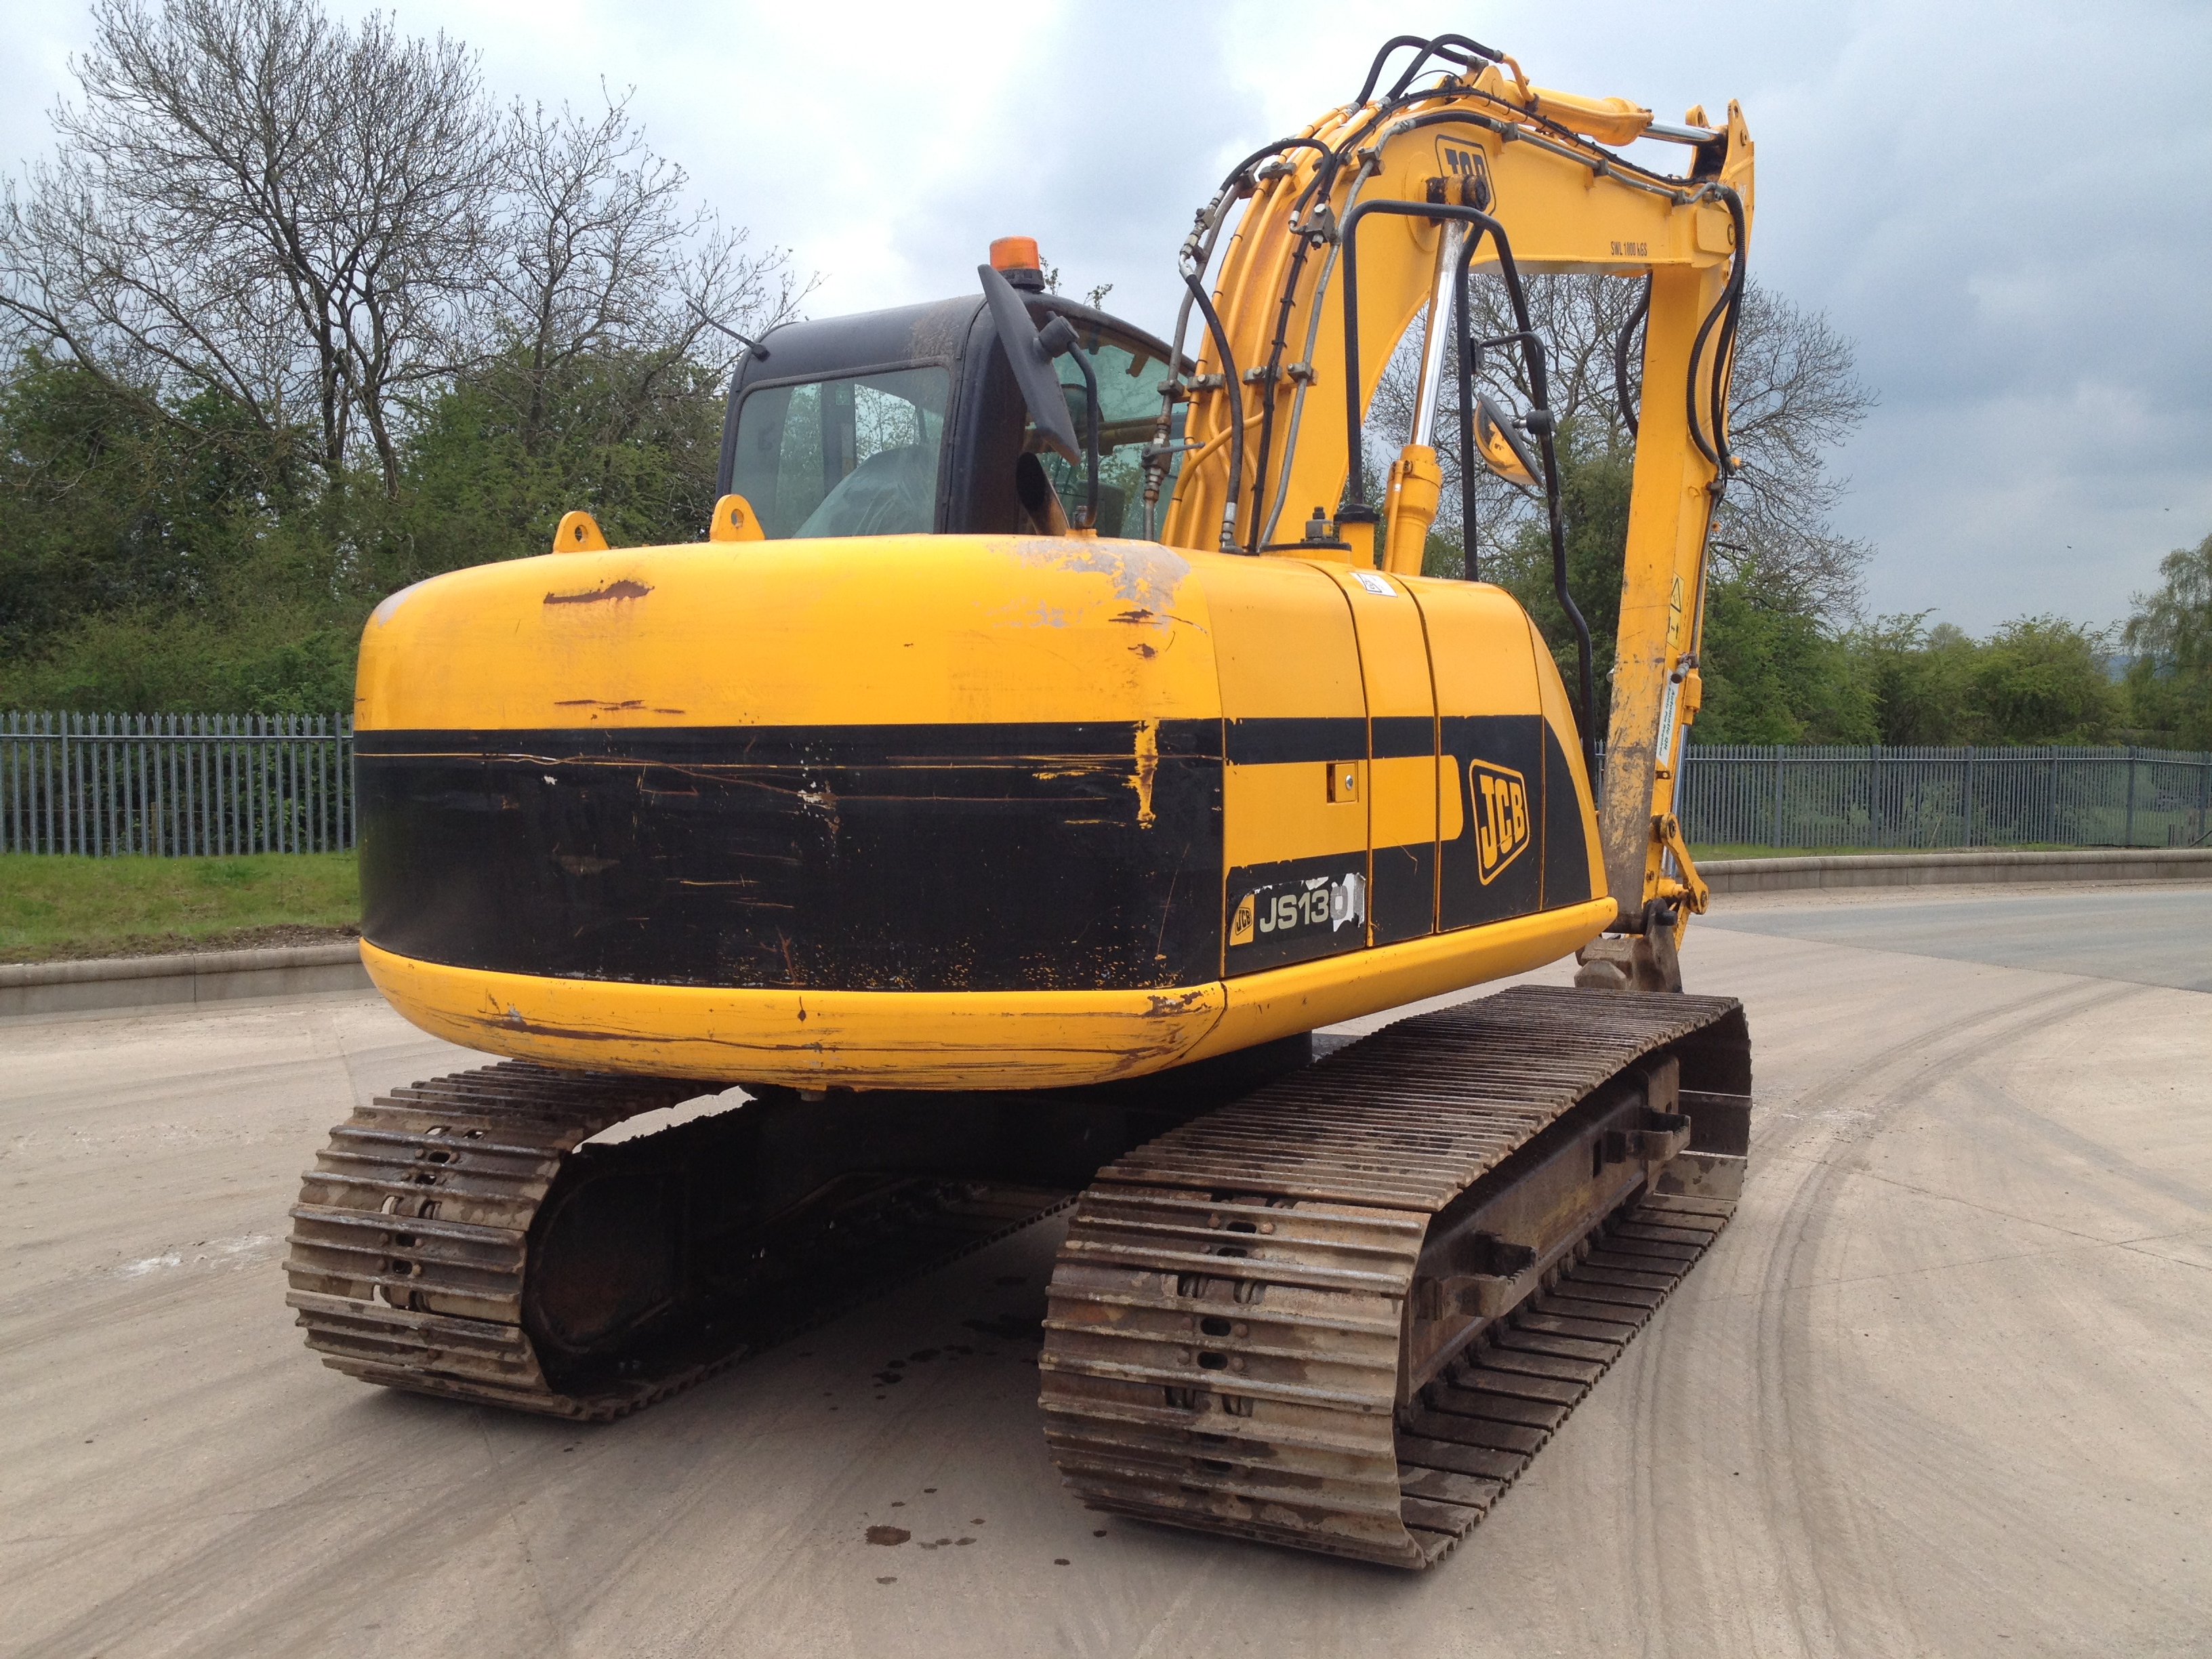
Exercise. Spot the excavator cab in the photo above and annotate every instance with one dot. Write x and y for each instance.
(909, 421)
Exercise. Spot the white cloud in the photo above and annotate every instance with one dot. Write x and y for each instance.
(2001, 205)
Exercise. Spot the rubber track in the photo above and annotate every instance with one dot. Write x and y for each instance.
(410, 1241)
(1223, 1332)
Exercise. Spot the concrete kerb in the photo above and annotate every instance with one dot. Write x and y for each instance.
(126, 983)
(120, 982)
(2097, 864)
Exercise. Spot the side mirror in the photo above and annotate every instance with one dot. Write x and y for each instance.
(1031, 357)
(1030, 350)
(1502, 449)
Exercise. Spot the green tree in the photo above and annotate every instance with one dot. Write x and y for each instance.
(177, 561)
(223, 439)
(1773, 673)
(1593, 487)
(109, 501)
(2043, 680)
(2169, 683)
(2036, 680)
(1921, 679)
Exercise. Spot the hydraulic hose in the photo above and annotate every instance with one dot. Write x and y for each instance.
(1233, 390)
(1199, 247)
(1540, 392)
(1539, 424)
(1620, 345)
(1463, 321)
(1275, 149)
(1456, 49)
(1725, 312)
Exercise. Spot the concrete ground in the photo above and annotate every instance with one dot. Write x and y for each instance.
(1944, 1388)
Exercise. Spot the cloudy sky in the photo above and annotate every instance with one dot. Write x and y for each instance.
(2007, 207)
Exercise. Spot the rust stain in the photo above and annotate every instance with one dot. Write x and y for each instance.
(624, 589)
(1143, 617)
(888, 1536)
(514, 1020)
(1166, 1007)
(1145, 651)
(1148, 766)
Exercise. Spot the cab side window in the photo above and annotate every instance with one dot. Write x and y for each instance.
(857, 455)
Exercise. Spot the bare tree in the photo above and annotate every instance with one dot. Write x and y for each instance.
(601, 266)
(1793, 396)
(256, 201)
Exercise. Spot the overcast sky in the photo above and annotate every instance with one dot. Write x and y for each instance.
(2006, 207)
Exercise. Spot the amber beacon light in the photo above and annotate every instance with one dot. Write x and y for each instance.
(1017, 259)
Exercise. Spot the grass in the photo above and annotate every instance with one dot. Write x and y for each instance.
(1703, 853)
(54, 907)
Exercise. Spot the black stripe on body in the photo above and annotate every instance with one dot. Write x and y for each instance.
(1280, 742)
(1399, 737)
(1566, 848)
(773, 745)
(943, 858)
(1402, 901)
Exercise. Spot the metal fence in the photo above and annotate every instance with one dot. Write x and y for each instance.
(283, 783)
(174, 784)
(1839, 797)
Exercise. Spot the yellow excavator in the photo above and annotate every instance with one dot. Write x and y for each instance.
(1053, 733)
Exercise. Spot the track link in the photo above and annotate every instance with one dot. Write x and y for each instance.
(1231, 1317)
(411, 1245)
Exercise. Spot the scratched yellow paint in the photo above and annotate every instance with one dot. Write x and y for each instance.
(874, 631)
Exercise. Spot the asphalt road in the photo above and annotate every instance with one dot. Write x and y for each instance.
(1944, 1388)
(2150, 934)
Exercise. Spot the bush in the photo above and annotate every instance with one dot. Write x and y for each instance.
(168, 559)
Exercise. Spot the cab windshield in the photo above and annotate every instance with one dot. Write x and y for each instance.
(854, 456)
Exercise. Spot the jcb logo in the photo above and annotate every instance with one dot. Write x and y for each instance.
(1502, 826)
